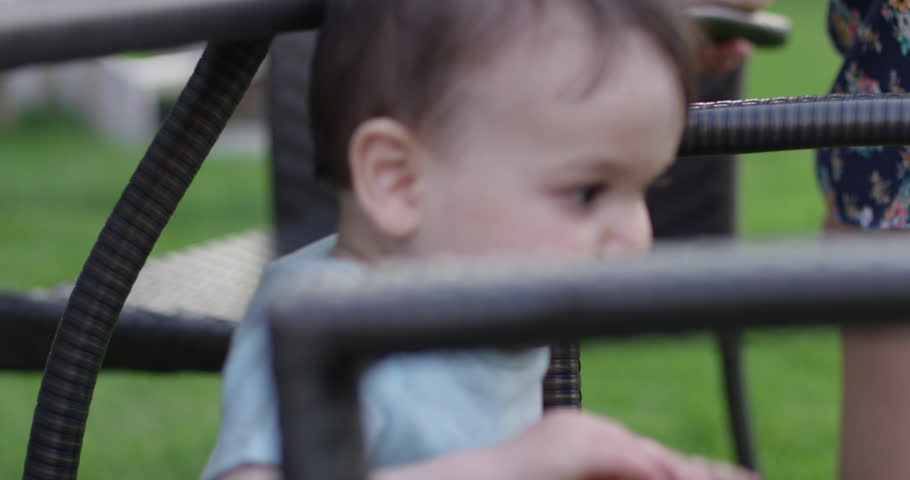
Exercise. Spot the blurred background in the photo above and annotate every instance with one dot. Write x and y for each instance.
(67, 150)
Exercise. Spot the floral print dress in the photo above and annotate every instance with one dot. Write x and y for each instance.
(869, 187)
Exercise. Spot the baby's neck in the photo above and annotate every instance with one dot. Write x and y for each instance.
(359, 240)
(348, 250)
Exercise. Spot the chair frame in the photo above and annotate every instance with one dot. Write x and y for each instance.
(172, 160)
(418, 306)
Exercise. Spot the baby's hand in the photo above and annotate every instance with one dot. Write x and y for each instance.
(573, 445)
(569, 445)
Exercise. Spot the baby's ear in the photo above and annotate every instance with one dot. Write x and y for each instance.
(385, 161)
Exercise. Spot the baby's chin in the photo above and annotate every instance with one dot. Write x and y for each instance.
(529, 251)
(559, 253)
(536, 254)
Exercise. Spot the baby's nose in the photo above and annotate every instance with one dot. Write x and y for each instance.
(628, 247)
(631, 237)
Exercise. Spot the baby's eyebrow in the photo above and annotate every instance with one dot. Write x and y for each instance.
(597, 163)
(610, 166)
(577, 169)
(584, 168)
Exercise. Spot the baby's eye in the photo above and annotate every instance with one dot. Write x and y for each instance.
(587, 195)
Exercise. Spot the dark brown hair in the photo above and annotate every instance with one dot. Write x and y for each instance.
(400, 58)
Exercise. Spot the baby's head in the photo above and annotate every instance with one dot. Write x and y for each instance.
(476, 127)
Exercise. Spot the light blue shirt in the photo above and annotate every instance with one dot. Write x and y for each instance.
(415, 405)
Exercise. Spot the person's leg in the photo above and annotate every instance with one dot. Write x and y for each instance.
(867, 190)
(875, 424)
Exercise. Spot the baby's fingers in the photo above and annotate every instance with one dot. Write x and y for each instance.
(704, 469)
(631, 457)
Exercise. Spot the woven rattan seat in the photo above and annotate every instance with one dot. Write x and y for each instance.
(212, 279)
(179, 315)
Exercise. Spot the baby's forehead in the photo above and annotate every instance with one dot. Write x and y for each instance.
(546, 105)
(542, 76)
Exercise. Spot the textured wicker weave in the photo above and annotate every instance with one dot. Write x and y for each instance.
(789, 123)
(562, 384)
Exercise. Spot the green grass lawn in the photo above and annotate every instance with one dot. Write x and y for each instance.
(58, 187)
(59, 183)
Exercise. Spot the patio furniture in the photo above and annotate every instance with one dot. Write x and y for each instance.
(219, 80)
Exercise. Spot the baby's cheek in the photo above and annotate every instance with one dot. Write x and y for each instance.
(562, 248)
(523, 228)
(552, 240)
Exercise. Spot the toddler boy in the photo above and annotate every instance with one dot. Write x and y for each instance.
(474, 128)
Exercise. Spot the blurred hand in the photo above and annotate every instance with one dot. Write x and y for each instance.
(724, 57)
(570, 445)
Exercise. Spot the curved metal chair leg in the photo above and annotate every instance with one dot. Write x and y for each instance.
(729, 344)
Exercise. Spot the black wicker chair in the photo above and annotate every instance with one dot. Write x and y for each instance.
(221, 77)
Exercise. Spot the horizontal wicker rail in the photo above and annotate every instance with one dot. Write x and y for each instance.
(56, 30)
(676, 289)
(789, 123)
